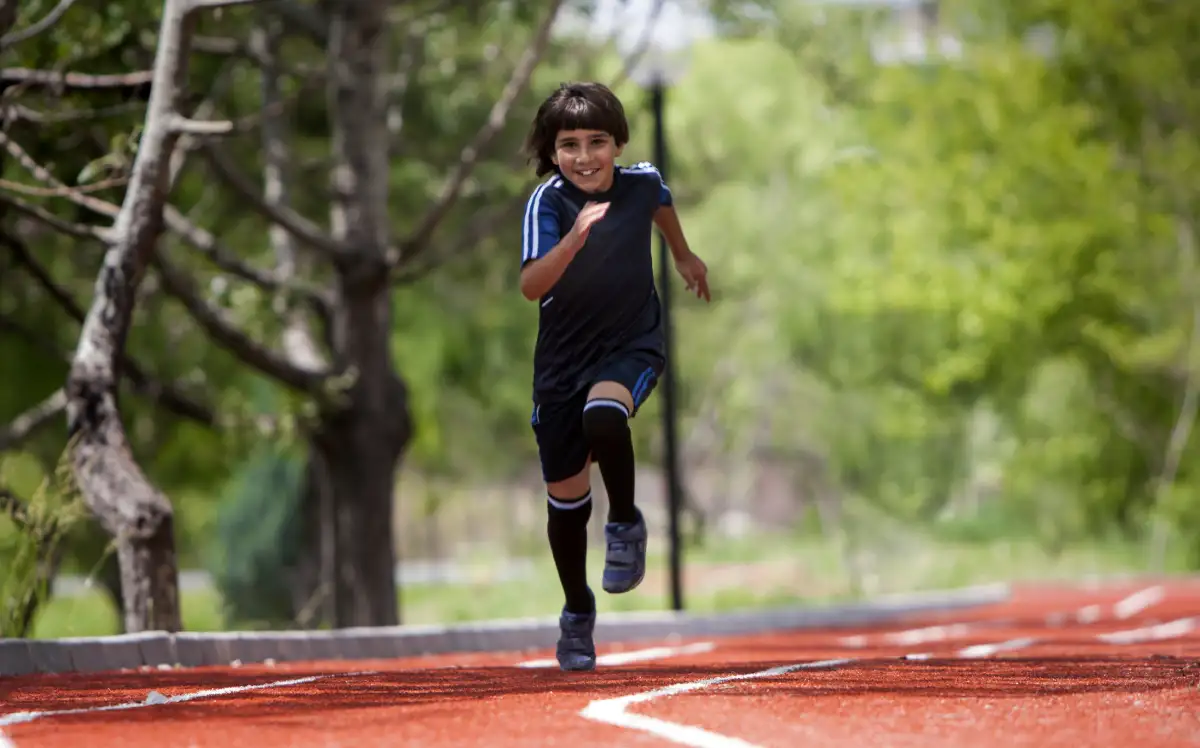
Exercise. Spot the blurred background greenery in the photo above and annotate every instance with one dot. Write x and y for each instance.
(953, 336)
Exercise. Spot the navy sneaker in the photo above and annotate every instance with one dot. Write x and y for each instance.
(576, 649)
(625, 555)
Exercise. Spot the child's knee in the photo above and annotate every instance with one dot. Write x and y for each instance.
(569, 513)
(605, 421)
(574, 490)
(610, 390)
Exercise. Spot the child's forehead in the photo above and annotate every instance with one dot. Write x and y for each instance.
(580, 134)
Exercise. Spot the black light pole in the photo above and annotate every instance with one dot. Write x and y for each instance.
(670, 435)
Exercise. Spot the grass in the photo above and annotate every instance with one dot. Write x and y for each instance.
(761, 571)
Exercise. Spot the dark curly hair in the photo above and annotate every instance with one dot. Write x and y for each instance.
(574, 106)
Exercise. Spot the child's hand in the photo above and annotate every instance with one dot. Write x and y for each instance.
(587, 218)
(695, 274)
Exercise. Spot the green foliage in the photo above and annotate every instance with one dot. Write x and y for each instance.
(906, 249)
(49, 510)
(256, 540)
(963, 287)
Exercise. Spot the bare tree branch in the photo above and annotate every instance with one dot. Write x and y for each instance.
(27, 114)
(60, 295)
(47, 21)
(217, 252)
(78, 230)
(185, 126)
(412, 59)
(306, 18)
(298, 342)
(168, 396)
(218, 324)
(484, 225)
(64, 79)
(517, 83)
(225, 258)
(8, 14)
(25, 189)
(194, 5)
(25, 426)
(296, 224)
(114, 486)
(223, 330)
(42, 174)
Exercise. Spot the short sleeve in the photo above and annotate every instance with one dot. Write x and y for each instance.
(540, 232)
(651, 171)
(664, 192)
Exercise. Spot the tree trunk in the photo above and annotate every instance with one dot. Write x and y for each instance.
(131, 509)
(361, 445)
(109, 576)
(114, 488)
(362, 441)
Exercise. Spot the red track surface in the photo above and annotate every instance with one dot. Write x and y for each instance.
(1056, 684)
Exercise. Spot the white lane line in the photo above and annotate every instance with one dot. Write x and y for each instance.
(1139, 601)
(1123, 609)
(612, 711)
(987, 650)
(1158, 632)
(5, 741)
(1089, 614)
(929, 634)
(923, 635)
(157, 699)
(637, 655)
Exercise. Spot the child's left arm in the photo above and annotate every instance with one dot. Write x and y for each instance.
(690, 267)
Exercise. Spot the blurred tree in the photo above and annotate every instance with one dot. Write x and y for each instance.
(1019, 243)
(359, 415)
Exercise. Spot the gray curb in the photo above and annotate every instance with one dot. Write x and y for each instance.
(156, 649)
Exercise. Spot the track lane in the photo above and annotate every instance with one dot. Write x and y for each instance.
(1053, 685)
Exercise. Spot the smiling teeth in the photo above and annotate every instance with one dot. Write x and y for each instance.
(588, 173)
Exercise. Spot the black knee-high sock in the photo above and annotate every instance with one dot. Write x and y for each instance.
(606, 426)
(566, 527)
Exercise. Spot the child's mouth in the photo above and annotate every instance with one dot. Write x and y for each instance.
(587, 172)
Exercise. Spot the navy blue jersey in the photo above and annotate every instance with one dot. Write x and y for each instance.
(605, 303)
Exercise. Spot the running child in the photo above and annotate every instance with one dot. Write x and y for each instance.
(586, 258)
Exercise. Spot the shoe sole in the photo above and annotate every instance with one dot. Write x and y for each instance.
(622, 590)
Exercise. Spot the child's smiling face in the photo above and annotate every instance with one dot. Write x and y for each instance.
(586, 158)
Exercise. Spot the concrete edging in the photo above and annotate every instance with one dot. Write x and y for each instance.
(158, 649)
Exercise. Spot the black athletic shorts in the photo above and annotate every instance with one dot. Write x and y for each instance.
(558, 425)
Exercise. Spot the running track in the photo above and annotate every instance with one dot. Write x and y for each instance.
(1117, 665)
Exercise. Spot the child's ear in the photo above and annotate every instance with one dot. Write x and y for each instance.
(620, 150)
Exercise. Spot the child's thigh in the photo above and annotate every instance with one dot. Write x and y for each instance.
(638, 372)
(562, 447)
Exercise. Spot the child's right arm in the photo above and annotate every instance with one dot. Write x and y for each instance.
(539, 274)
